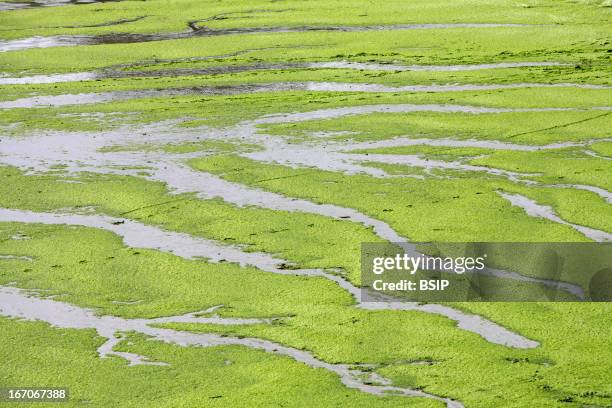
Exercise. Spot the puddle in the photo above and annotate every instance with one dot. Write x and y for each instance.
(194, 318)
(113, 73)
(369, 66)
(7, 6)
(42, 42)
(356, 87)
(75, 99)
(103, 97)
(331, 156)
(139, 235)
(15, 303)
(430, 164)
(21, 258)
(125, 38)
(49, 79)
(328, 158)
(533, 209)
(80, 152)
(49, 3)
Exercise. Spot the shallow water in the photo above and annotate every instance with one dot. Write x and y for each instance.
(48, 79)
(15, 303)
(7, 6)
(140, 235)
(47, 3)
(81, 152)
(370, 66)
(534, 209)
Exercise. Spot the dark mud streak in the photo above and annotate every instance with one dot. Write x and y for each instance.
(119, 71)
(207, 57)
(216, 70)
(233, 15)
(560, 126)
(55, 3)
(126, 38)
(104, 97)
(106, 24)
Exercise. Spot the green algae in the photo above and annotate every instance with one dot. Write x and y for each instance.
(310, 241)
(228, 110)
(197, 376)
(478, 212)
(532, 128)
(568, 369)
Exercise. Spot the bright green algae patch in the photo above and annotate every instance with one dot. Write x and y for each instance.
(413, 349)
(310, 241)
(212, 376)
(161, 16)
(391, 340)
(582, 45)
(101, 271)
(189, 82)
(480, 213)
(556, 166)
(532, 128)
(543, 377)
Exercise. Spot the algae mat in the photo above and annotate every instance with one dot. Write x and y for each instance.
(186, 186)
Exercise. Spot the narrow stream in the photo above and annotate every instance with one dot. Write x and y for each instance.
(15, 303)
(533, 209)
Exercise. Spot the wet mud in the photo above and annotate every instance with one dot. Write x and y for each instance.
(129, 71)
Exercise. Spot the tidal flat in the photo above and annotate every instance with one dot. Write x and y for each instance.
(186, 186)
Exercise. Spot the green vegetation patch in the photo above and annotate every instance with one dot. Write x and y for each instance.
(196, 376)
(533, 128)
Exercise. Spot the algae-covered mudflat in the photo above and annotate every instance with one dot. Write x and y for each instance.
(186, 186)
